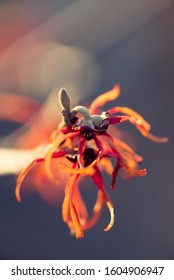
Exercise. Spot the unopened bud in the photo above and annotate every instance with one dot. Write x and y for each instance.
(64, 100)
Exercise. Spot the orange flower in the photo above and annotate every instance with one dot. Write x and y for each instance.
(83, 139)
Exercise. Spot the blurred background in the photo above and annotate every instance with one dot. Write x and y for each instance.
(87, 46)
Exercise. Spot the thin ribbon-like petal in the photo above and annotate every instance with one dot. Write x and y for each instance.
(75, 219)
(96, 211)
(117, 119)
(81, 149)
(80, 205)
(55, 146)
(69, 212)
(107, 165)
(103, 98)
(129, 112)
(89, 170)
(68, 196)
(115, 174)
(126, 161)
(99, 146)
(126, 148)
(111, 210)
(25, 171)
(140, 126)
(101, 186)
(22, 176)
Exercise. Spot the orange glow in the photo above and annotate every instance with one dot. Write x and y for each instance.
(17, 108)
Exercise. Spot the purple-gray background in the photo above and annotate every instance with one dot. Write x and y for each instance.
(141, 60)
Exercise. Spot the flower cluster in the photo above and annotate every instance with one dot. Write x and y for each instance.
(83, 139)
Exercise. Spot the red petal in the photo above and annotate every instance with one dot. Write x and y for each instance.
(116, 120)
(129, 112)
(115, 174)
(81, 149)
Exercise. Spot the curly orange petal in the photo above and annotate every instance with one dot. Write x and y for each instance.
(145, 132)
(68, 196)
(107, 165)
(54, 147)
(75, 219)
(98, 180)
(115, 174)
(22, 175)
(129, 112)
(89, 170)
(103, 98)
(111, 210)
(80, 205)
(97, 210)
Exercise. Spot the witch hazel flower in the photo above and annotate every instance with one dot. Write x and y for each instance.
(83, 139)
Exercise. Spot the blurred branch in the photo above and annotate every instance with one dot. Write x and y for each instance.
(12, 161)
